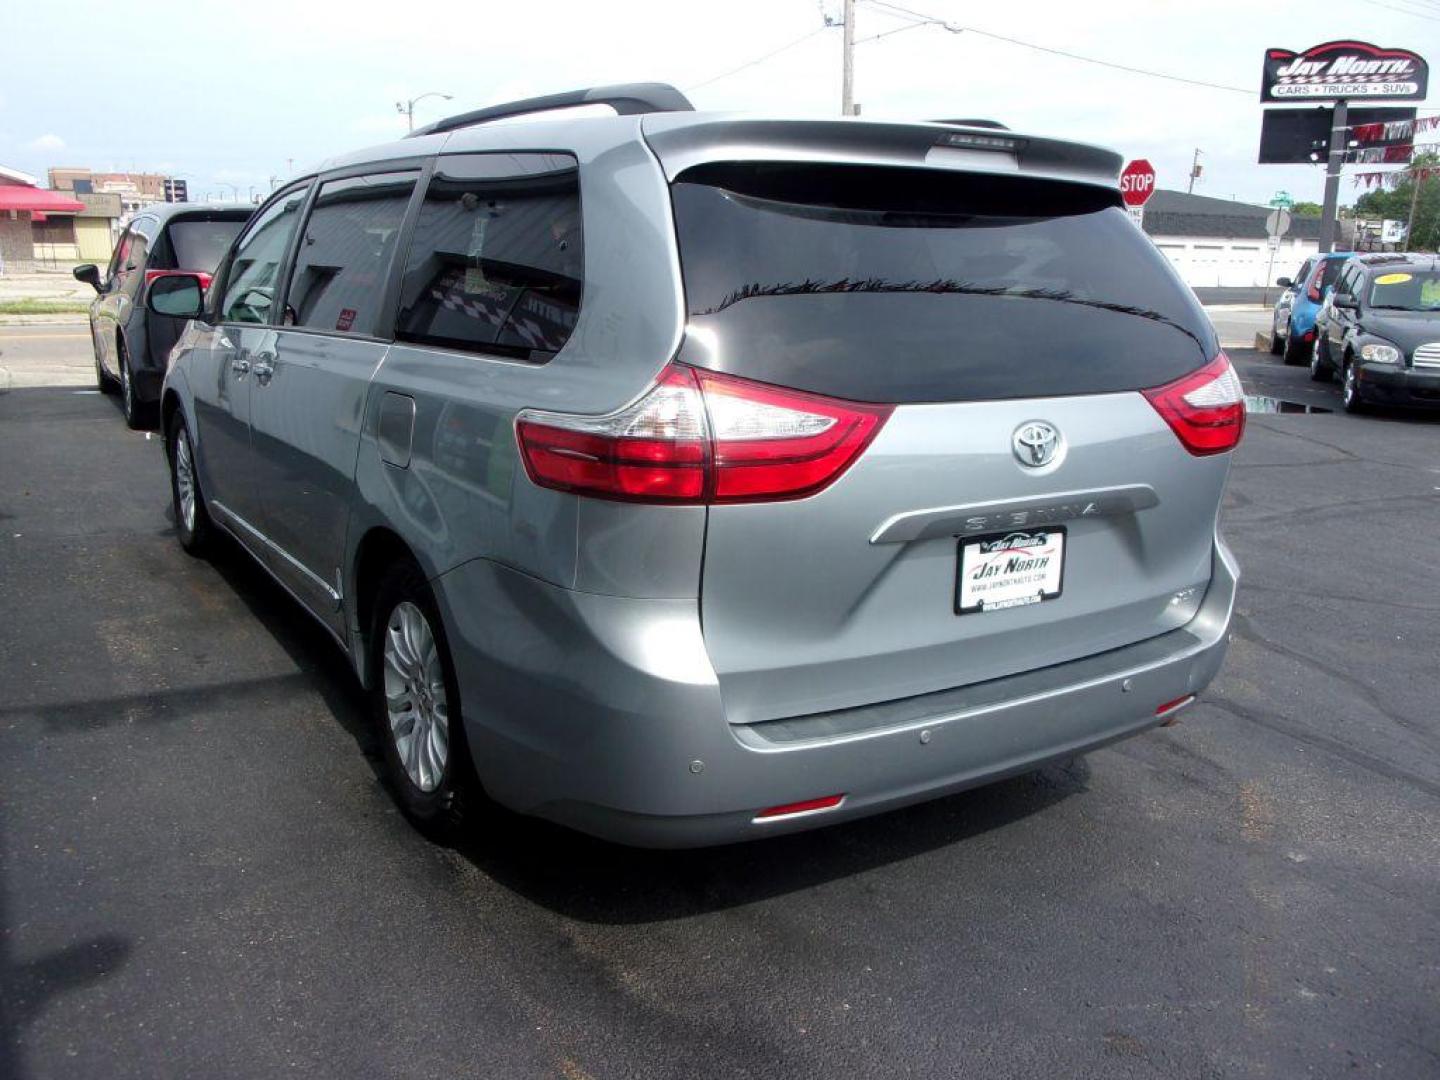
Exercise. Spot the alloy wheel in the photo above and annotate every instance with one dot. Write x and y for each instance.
(416, 703)
(185, 480)
(127, 392)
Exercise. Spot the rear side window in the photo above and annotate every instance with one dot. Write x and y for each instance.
(497, 259)
(910, 285)
(345, 251)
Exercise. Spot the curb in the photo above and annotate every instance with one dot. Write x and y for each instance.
(45, 320)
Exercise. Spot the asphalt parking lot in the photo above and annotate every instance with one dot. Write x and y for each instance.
(201, 875)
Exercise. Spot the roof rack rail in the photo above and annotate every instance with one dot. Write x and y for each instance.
(627, 99)
(994, 125)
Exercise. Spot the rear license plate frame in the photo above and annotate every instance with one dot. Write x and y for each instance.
(966, 543)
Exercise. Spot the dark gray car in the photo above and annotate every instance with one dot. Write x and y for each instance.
(686, 479)
(131, 344)
(1380, 332)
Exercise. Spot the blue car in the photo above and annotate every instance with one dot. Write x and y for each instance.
(1293, 329)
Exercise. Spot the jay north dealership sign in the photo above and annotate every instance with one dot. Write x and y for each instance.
(1343, 69)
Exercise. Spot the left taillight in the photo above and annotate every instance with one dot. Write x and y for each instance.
(1205, 409)
(700, 437)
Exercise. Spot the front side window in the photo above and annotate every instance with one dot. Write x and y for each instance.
(1349, 281)
(345, 252)
(255, 267)
(497, 261)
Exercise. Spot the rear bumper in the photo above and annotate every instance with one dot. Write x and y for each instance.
(603, 715)
(1412, 387)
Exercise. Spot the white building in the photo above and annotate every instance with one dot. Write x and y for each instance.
(1219, 243)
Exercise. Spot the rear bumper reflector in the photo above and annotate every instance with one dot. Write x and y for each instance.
(808, 806)
(1174, 706)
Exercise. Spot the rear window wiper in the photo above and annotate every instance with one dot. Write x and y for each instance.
(942, 286)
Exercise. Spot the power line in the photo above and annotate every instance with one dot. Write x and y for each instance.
(1431, 13)
(897, 30)
(956, 29)
(760, 59)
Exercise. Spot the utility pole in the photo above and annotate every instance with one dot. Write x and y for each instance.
(1194, 172)
(847, 78)
(1339, 140)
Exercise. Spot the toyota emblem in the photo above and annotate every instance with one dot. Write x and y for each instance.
(1036, 444)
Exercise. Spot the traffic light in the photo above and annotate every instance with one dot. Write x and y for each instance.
(176, 191)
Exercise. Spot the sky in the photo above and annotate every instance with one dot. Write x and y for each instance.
(234, 97)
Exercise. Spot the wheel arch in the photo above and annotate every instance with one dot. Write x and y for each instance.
(169, 406)
(379, 548)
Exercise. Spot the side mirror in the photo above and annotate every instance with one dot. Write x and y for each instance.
(1284, 283)
(1344, 300)
(90, 274)
(179, 296)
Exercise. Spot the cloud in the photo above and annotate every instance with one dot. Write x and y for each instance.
(46, 142)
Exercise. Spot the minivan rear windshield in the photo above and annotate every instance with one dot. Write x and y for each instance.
(912, 285)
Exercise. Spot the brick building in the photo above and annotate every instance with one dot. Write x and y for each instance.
(135, 189)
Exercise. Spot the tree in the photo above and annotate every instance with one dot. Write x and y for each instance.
(1306, 209)
(1394, 203)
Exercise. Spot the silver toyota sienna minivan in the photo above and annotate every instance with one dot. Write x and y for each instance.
(688, 478)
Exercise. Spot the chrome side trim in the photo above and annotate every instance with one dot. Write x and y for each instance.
(315, 579)
(216, 504)
(232, 517)
(998, 514)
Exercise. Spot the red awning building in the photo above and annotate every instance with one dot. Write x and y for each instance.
(38, 200)
(21, 204)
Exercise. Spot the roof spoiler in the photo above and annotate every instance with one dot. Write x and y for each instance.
(993, 125)
(627, 99)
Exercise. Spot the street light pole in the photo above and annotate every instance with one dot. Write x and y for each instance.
(407, 108)
(847, 76)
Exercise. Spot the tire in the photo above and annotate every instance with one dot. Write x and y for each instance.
(137, 413)
(103, 382)
(1321, 369)
(422, 737)
(1350, 395)
(192, 525)
(1277, 343)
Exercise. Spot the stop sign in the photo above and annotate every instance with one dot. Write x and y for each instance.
(1137, 182)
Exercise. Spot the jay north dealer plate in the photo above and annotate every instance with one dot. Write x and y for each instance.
(1010, 569)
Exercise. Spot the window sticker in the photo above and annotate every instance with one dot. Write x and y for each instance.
(1393, 279)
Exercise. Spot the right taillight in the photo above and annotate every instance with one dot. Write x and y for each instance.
(1205, 409)
(700, 437)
